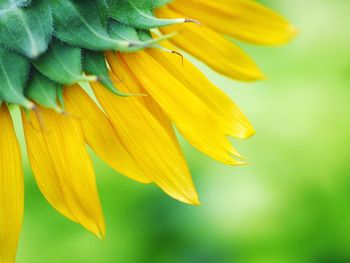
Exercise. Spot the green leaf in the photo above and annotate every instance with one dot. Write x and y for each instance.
(82, 23)
(61, 63)
(14, 70)
(43, 91)
(95, 63)
(26, 30)
(138, 14)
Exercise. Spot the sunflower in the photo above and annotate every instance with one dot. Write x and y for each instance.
(111, 75)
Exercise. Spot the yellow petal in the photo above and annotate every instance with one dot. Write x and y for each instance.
(100, 134)
(213, 49)
(246, 20)
(148, 142)
(124, 74)
(62, 167)
(231, 119)
(191, 116)
(11, 188)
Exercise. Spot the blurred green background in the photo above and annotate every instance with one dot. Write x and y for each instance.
(291, 204)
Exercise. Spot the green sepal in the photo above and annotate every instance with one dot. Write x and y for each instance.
(127, 33)
(61, 63)
(159, 3)
(102, 9)
(27, 30)
(6, 4)
(94, 63)
(138, 14)
(121, 31)
(43, 91)
(14, 69)
(144, 35)
(82, 23)
(60, 97)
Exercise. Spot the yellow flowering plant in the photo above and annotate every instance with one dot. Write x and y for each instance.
(128, 53)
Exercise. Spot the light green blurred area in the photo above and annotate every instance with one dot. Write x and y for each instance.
(291, 204)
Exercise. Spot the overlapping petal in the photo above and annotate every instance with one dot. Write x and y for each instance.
(121, 70)
(231, 119)
(191, 116)
(212, 48)
(148, 142)
(62, 167)
(11, 188)
(100, 134)
(246, 20)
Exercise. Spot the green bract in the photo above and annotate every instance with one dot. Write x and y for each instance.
(27, 30)
(45, 44)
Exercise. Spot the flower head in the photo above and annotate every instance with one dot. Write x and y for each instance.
(127, 52)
